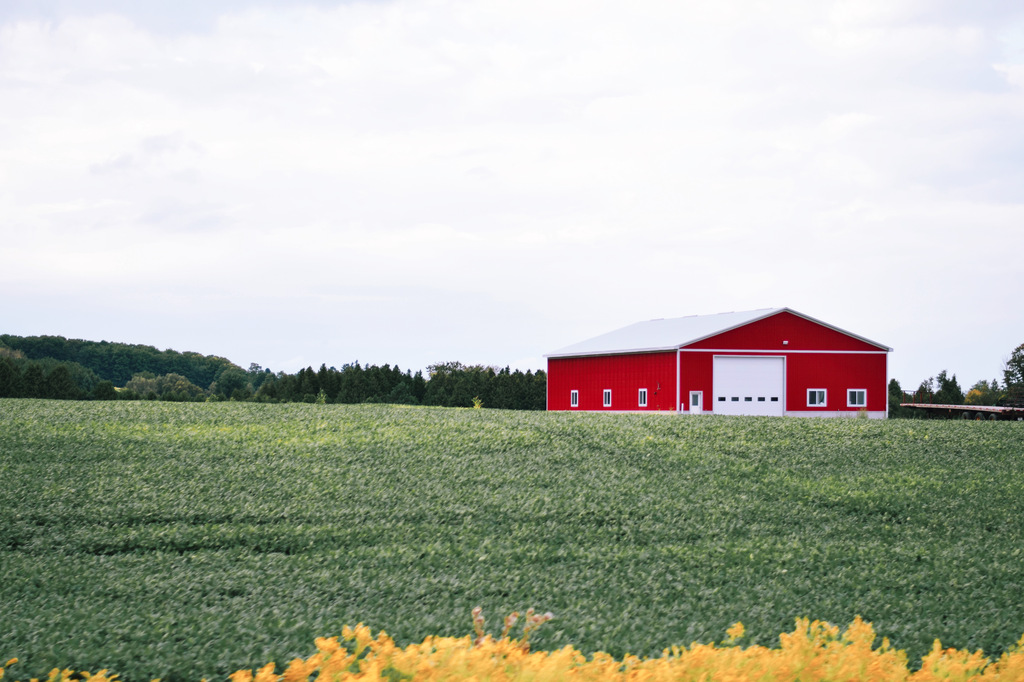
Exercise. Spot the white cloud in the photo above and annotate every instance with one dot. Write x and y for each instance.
(566, 167)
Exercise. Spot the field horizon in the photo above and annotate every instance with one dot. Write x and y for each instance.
(189, 540)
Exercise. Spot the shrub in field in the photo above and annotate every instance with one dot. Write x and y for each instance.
(813, 651)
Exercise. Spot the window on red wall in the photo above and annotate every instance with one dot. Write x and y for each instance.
(574, 399)
(816, 397)
(607, 397)
(857, 397)
(642, 398)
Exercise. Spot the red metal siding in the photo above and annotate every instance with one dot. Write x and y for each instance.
(625, 375)
(770, 332)
(695, 374)
(836, 373)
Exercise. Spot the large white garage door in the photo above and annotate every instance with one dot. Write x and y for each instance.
(746, 385)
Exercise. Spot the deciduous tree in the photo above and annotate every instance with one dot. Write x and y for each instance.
(984, 393)
(1013, 371)
(104, 391)
(10, 378)
(59, 384)
(233, 383)
(32, 381)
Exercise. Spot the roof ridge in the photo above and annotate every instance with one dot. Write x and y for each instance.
(665, 334)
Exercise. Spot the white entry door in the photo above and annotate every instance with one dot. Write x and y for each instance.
(749, 385)
(696, 402)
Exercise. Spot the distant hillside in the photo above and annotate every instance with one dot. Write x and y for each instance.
(119, 362)
(72, 369)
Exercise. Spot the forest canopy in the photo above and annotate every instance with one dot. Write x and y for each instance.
(72, 369)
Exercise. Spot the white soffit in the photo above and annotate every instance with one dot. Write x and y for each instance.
(665, 334)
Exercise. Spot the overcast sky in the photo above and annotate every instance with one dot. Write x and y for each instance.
(411, 182)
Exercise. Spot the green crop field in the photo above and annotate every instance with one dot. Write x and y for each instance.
(182, 540)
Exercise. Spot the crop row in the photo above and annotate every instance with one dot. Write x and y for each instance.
(186, 540)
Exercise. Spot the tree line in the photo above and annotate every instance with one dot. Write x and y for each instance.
(944, 389)
(449, 384)
(72, 369)
(118, 362)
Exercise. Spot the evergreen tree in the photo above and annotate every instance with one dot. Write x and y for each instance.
(352, 384)
(268, 391)
(401, 394)
(328, 381)
(895, 398)
(539, 392)
(503, 395)
(288, 387)
(949, 391)
(418, 386)
(925, 392)
(376, 383)
(309, 384)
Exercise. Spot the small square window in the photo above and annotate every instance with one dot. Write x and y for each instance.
(760, 399)
(721, 398)
(574, 399)
(642, 397)
(857, 397)
(775, 398)
(735, 399)
(607, 397)
(816, 397)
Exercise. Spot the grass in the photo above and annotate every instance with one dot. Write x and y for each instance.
(188, 540)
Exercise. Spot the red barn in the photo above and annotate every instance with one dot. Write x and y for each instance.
(773, 362)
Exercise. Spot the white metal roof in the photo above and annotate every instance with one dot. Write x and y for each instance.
(669, 334)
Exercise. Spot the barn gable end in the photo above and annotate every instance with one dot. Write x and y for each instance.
(786, 330)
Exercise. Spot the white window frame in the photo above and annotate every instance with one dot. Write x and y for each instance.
(641, 397)
(607, 397)
(574, 398)
(814, 392)
(850, 392)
